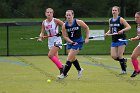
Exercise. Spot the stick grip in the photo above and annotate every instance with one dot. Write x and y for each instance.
(48, 36)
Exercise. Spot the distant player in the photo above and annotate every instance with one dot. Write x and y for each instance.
(50, 25)
(72, 34)
(136, 51)
(118, 25)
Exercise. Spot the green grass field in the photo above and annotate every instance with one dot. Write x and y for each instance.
(32, 47)
(29, 74)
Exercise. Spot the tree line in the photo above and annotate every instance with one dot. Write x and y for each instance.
(82, 8)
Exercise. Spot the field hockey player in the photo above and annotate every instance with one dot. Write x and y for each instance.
(50, 25)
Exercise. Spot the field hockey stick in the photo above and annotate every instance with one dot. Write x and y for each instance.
(124, 39)
(37, 37)
(132, 39)
(96, 36)
(102, 35)
(33, 38)
(57, 45)
(58, 34)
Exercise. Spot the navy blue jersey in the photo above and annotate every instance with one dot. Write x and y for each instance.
(74, 31)
(116, 26)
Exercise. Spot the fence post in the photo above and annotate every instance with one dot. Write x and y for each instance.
(123, 6)
(7, 40)
(65, 49)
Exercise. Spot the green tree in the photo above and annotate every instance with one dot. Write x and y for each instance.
(82, 8)
(132, 7)
(5, 9)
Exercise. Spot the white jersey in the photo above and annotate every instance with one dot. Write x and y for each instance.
(138, 34)
(51, 29)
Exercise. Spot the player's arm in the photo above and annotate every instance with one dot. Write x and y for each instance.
(109, 31)
(86, 29)
(58, 21)
(127, 26)
(41, 33)
(65, 35)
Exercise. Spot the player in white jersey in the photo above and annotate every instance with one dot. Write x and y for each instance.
(51, 29)
(136, 51)
(50, 25)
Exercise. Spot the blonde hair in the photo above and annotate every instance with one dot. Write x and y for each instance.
(70, 11)
(50, 9)
(117, 8)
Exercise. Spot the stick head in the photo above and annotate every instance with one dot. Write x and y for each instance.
(32, 38)
(123, 40)
(23, 38)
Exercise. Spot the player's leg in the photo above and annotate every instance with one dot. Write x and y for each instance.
(61, 69)
(135, 62)
(53, 55)
(114, 53)
(71, 56)
(57, 54)
(75, 62)
(116, 56)
(121, 59)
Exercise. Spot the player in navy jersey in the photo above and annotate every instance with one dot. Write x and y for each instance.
(71, 31)
(136, 51)
(118, 25)
(51, 26)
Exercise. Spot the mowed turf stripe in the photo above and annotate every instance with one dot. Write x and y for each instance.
(14, 62)
(103, 65)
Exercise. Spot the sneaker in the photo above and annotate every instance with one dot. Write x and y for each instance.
(61, 76)
(135, 73)
(123, 73)
(80, 73)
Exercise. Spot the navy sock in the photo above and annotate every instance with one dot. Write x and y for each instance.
(117, 59)
(67, 67)
(76, 64)
(122, 63)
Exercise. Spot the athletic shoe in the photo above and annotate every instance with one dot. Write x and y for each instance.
(61, 76)
(123, 73)
(135, 74)
(80, 73)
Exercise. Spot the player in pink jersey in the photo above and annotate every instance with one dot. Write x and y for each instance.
(50, 25)
(136, 51)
